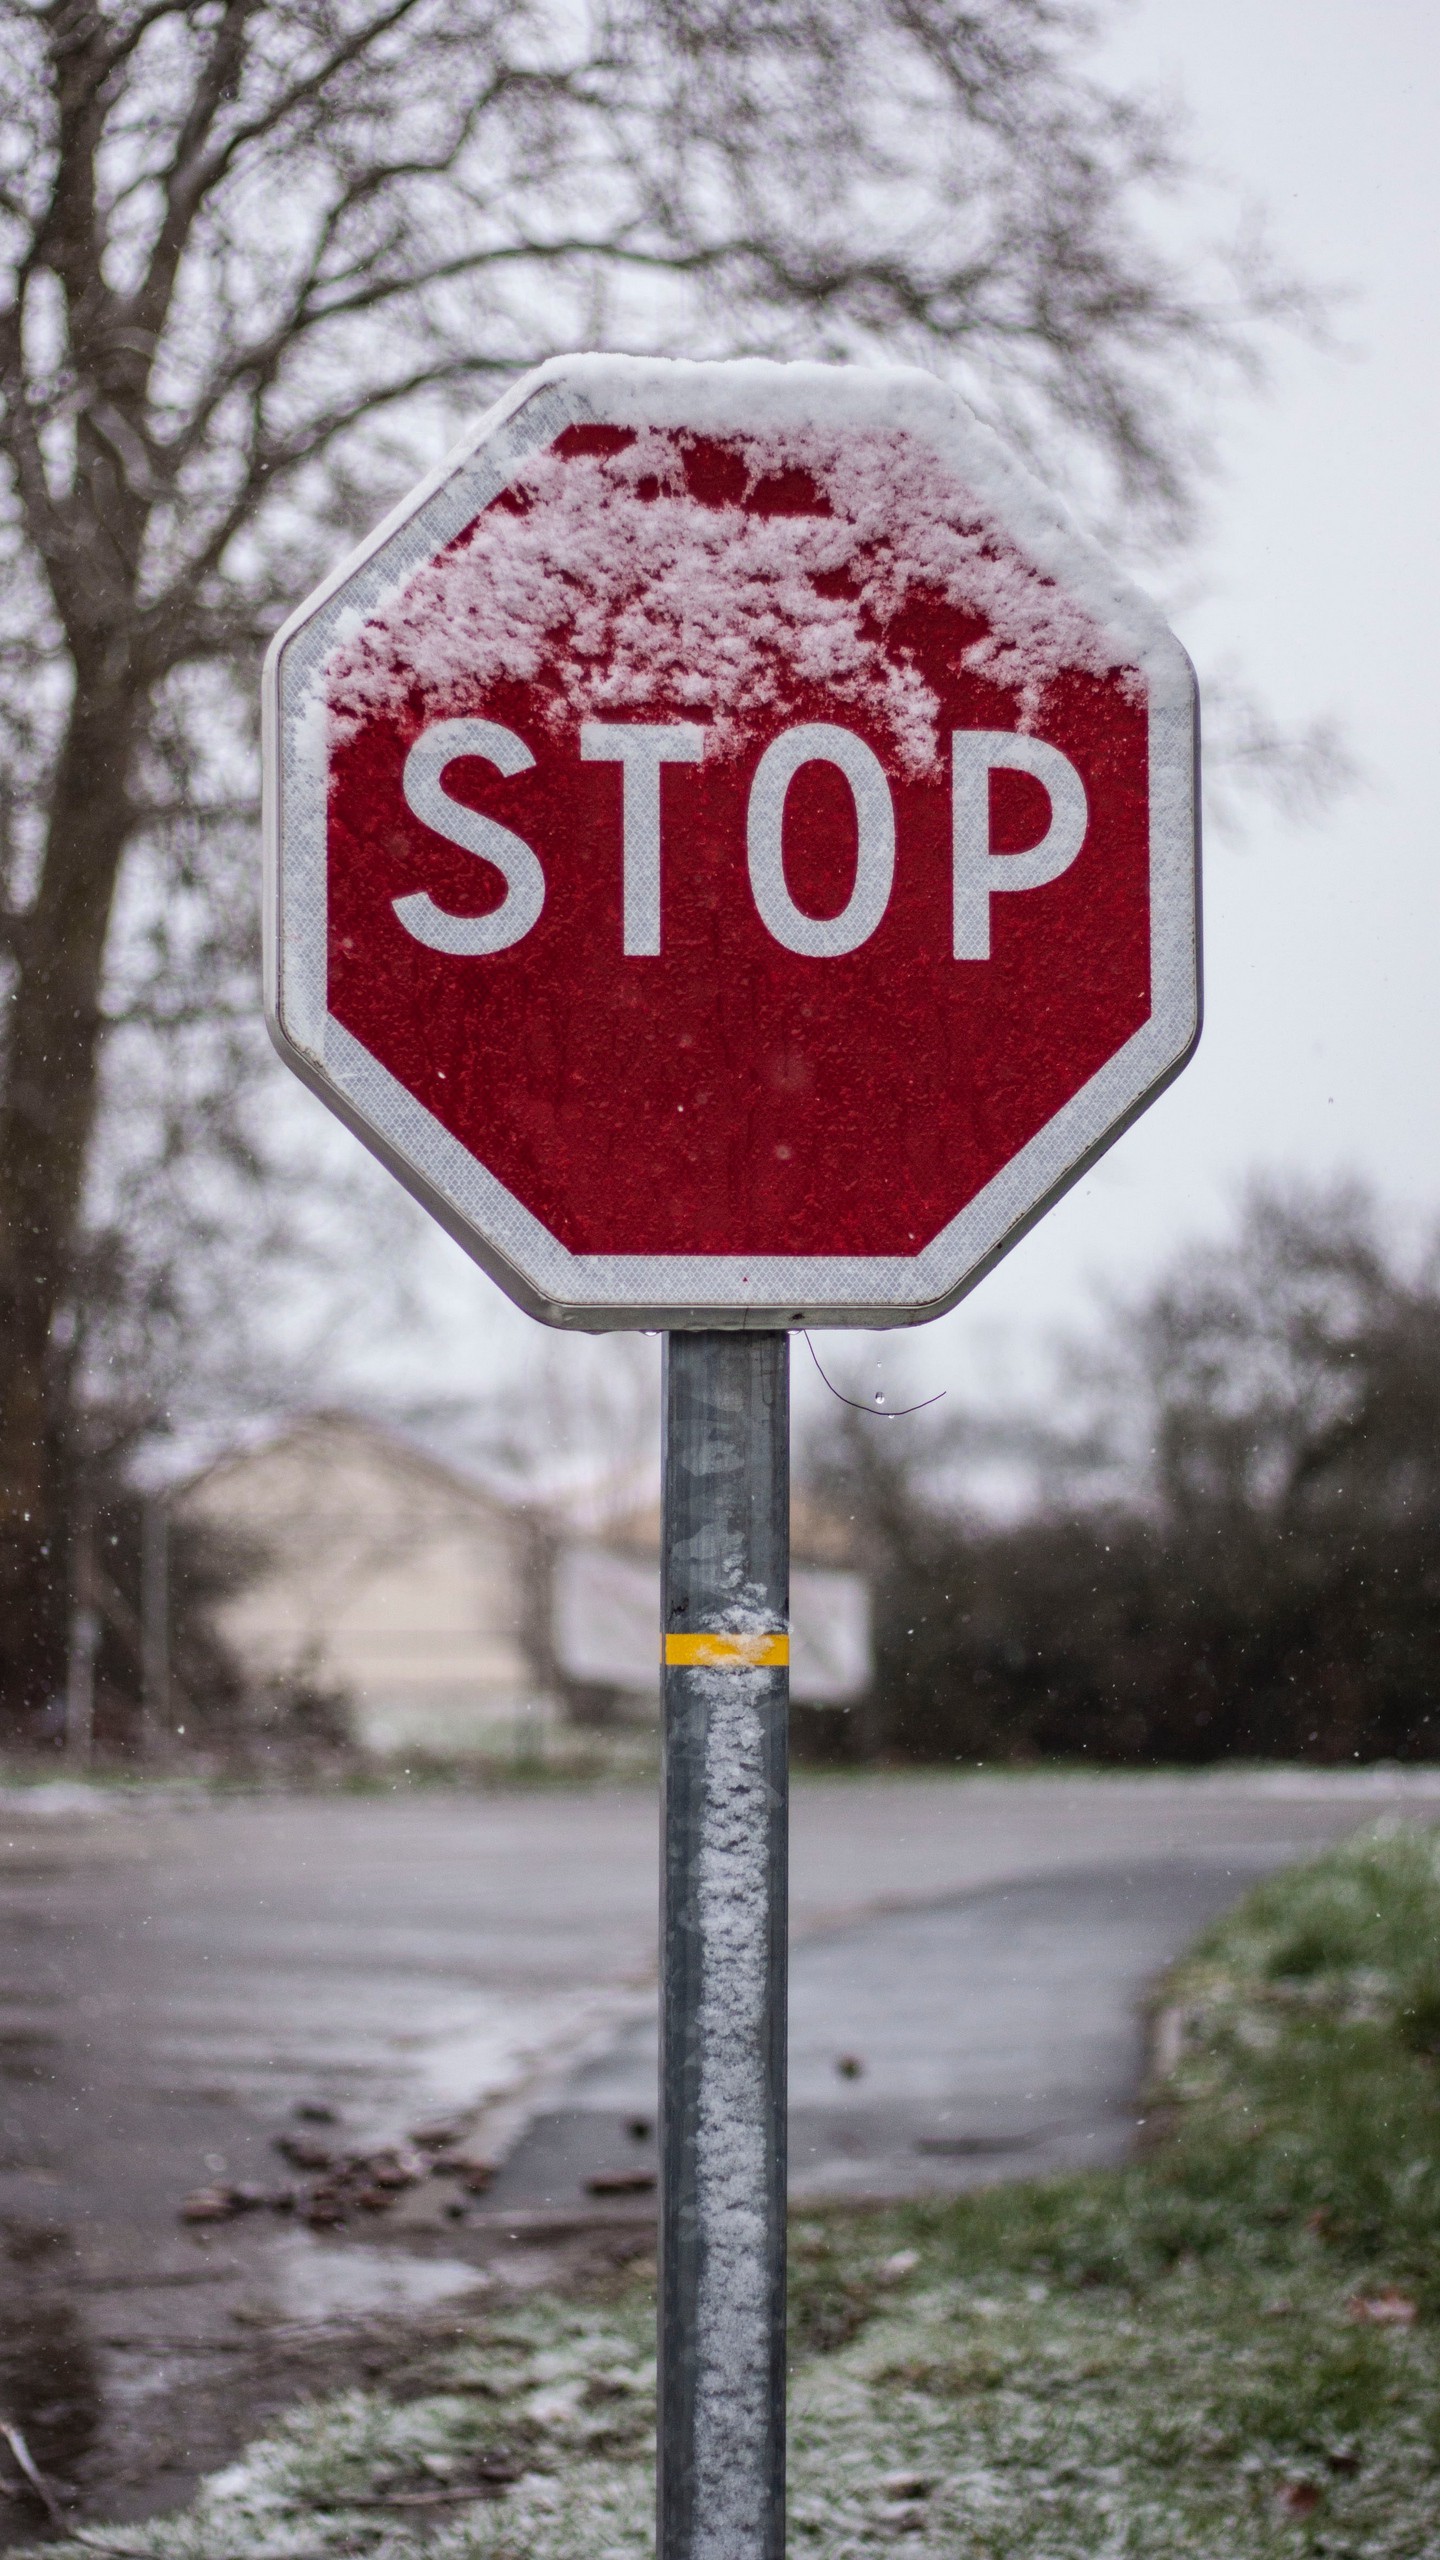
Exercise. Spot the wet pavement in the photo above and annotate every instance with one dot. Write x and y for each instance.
(997, 2036)
(176, 1983)
(183, 1985)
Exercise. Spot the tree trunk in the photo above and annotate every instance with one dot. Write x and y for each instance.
(46, 1117)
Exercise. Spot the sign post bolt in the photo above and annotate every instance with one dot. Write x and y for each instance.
(725, 1607)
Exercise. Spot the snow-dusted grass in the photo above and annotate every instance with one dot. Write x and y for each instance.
(1209, 2354)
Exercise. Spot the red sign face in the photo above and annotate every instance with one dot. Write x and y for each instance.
(735, 849)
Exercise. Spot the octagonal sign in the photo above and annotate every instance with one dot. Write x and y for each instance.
(732, 846)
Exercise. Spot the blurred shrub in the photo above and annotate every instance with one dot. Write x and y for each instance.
(1231, 1542)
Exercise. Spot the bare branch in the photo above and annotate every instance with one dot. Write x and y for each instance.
(185, 181)
(251, 253)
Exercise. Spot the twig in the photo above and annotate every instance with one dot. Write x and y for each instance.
(35, 2476)
(433, 2497)
(126, 2551)
(877, 1412)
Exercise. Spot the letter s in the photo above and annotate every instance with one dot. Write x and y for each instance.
(428, 800)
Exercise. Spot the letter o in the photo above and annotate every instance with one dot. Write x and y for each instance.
(821, 937)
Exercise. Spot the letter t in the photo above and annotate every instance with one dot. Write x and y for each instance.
(641, 749)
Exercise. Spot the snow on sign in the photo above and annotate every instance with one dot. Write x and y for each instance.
(732, 846)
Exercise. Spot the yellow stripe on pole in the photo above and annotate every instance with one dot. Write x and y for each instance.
(728, 1653)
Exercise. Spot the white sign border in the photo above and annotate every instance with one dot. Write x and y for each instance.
(604, 1292)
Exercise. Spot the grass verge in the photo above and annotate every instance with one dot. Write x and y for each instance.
(1231, 2348)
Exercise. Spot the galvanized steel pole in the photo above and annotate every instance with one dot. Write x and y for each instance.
(725, 1606)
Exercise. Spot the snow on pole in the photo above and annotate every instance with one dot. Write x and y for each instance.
(722, 2274)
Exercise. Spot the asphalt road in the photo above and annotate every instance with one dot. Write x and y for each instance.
(996, 2034)
(971, 1959)
(175, 1981)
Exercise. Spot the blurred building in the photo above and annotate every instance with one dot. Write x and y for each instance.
(605, 1615)
(452, 1622)
(367, 1571)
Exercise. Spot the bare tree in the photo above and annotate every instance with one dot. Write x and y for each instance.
(254, 252)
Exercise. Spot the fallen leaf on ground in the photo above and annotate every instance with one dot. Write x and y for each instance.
(438, 2135)
(210, 2204)
(303, 2151)
(473, 2171)
(1386, 2309)
(1298, 2497)
(221, 2203)
(393, 2167)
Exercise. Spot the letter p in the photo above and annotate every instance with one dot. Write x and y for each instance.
(981, 874)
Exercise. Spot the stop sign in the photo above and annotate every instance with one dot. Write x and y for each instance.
(732, 844)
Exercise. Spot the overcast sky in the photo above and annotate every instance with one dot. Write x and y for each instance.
(1322, 1047)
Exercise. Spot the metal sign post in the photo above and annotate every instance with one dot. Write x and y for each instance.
(725, 1603)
